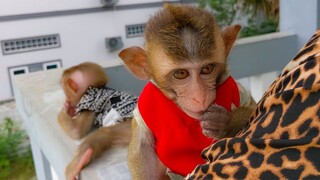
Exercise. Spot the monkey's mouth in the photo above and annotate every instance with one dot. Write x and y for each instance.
(193, 114)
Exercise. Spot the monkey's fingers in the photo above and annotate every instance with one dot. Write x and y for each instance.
(73, 173)
(85, 159)
(213, 133)
(67, 104)
(72, 112)
(217, 113)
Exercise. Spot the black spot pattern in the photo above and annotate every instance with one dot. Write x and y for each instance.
(309, 65)
(311, 134)
(309, 58)
(262, 113)
(292, 173)
(312, 154)
(304, 126)
(230, 150)
(309, 81)
(297, 107)
(283, 143)
(205, 168)
(217, 168)
(295, 76)
(241, 173)
(312, 40)
(255, 159)
(258, 143)
(267, 175)
(276, 158)
(276, 112)
(287, 96)
(207, 177)
(284, 135)
(286, 72)
(220, 145)
(282, 84)
(311, 177)
(210, 157)
(303, 52)
(299, 84)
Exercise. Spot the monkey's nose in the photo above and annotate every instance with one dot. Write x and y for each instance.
(199, 103)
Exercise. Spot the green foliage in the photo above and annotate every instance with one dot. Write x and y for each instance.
(223, 10)
(226, 11)
(267, 26)
(14, 162)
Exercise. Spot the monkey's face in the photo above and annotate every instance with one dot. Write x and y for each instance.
(191, 84)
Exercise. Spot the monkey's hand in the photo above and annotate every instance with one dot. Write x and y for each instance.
(214, 121)
(71, 111)
(78, 163)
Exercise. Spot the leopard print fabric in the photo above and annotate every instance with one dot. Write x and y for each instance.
(282, 139)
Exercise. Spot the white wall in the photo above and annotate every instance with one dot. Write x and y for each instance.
(82, 36)
(300, 17)
(17, 7)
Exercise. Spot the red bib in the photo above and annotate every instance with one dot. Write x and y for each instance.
(178, 138)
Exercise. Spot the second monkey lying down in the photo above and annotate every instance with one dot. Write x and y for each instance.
(92, 106)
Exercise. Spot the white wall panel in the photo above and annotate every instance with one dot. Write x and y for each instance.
(17, 7)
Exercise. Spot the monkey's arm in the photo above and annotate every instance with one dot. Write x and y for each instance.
(217, 122)
(142, 159)
(76, 127)
(240, 116)
(96, 143)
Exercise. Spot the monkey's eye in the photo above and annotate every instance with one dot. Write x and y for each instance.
(207, 69)
(181, 74)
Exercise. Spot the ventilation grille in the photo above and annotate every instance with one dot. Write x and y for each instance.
(135, 30)
(30, 44)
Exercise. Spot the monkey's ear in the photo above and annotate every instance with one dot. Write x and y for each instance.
(135, 59)
(73, 85)
(229, 35)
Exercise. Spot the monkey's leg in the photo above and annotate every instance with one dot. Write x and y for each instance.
(96, 143)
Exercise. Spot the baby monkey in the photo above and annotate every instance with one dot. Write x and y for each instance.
(191, 100)
(91, 105)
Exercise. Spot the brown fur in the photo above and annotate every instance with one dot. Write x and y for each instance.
(93, 71)
(184, 32)
(186, 38)
(100, 140)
